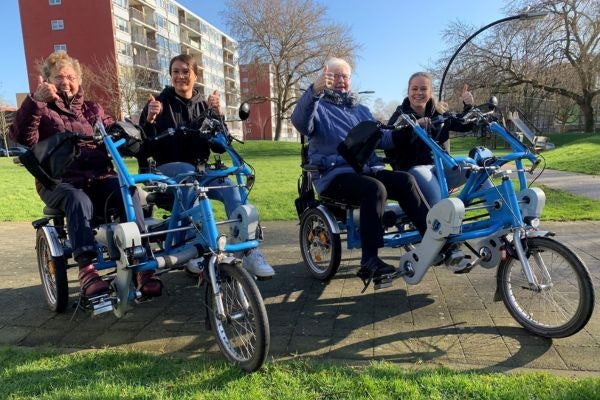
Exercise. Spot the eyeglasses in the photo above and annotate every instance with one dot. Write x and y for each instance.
(345, 77)
(184, 73)
(60, 78)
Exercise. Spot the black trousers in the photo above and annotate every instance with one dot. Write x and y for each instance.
(371, 192)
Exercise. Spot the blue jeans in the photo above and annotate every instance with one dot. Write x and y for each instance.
(229, 196)
(426, 177)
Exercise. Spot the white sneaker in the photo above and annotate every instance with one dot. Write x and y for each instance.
(254, 262)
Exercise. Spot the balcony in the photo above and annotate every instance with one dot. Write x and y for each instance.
(228, 45)
(230, 75)
(149, 3)
(228, 59)
(147, 42)
(189, 22)
(191, 41)
(147, 19)
(230, 87)
(144, 61)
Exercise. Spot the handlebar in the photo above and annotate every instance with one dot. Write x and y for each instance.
(408, 120)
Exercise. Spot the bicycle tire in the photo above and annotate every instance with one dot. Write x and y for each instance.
(321, 248)
(243, 334)
(564, 305)
(53, 273)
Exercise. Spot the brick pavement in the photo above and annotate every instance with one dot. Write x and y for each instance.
(447, 319)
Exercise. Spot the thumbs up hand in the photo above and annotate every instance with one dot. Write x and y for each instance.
(45, 92)
(324, 81)
(154, 108)
(467, 96)
(214, 102)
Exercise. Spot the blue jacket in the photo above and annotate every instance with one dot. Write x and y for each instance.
(326, 121)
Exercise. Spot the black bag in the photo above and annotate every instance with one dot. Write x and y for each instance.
(306, 193)
(359, 145)
(48, 159)
(133, 138)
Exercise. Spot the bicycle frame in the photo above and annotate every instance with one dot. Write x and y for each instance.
(500, 201)
(187, 214)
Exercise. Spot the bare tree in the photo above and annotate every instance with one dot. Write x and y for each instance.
(382, 110)
(5, 122)
(121, 90)
(101, 83)
(292, 36)
(557, 56)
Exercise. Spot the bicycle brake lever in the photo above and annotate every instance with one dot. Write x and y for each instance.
(534, 166)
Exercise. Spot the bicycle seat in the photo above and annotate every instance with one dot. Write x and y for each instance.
(52, 212)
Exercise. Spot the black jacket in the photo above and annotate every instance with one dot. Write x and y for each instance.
(409, 149)
(176, 112)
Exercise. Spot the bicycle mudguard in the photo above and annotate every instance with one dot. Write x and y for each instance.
(56, 249)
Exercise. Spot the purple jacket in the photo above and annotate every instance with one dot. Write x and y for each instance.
(37, 121)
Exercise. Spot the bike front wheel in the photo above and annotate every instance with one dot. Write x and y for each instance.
(53, 273)
(242, 332)
(561, 303)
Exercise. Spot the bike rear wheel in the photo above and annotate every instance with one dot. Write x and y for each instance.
(53, 273)
(562, 303)
(242, 333)
(321, 248)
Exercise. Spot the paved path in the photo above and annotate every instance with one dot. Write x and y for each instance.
(579, 184)
(447, 319)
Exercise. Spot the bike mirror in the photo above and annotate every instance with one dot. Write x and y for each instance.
(244, 111)
(493, 102)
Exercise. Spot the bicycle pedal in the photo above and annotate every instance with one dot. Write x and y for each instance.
(383, 281)
(100, 304)
(463, 266)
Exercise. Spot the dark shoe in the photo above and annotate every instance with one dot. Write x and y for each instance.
(377, 271)
(90, 282)
(375, 267)
(148, 284)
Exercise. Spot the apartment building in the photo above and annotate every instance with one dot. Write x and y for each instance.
(258, 86)
(125, 47)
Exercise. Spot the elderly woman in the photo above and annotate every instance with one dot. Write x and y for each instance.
(325, 113)
(89, 184)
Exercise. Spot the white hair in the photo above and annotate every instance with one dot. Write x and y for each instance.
(338, 62)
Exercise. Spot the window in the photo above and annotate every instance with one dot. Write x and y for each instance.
(173, 29)
(57, 24)
(123, 48)
(60, 47)
(174, 46)
(54, 2)
(172, 9)
(161, 21)
(121, 24)
(162, 42)
(121, 3)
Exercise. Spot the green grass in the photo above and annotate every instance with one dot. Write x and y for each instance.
(110, 374)
(575, 152)
(277, 166)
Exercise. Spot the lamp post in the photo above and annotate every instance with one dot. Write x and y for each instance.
(522, 16)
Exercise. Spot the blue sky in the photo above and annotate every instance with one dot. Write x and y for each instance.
(399, 37)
